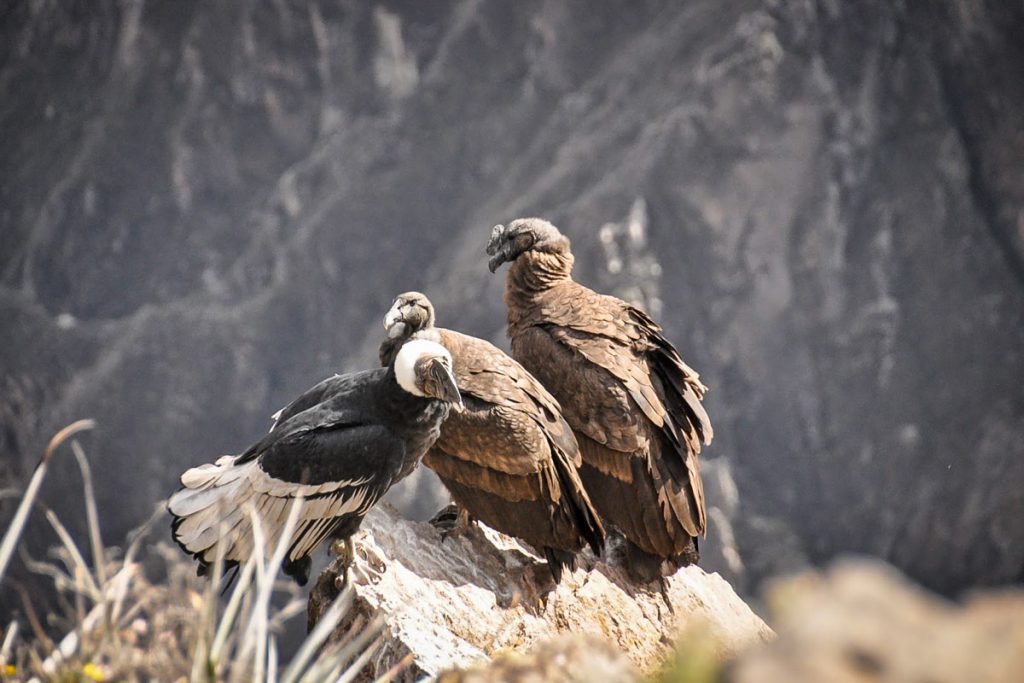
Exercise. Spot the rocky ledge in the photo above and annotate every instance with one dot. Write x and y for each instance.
(457, 601)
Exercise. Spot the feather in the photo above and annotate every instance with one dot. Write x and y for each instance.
(632, 402)
(509, 458)
(338, 447)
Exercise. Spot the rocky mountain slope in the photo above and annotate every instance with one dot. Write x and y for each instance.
(207, 207)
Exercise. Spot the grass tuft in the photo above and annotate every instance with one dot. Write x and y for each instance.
(120, 625)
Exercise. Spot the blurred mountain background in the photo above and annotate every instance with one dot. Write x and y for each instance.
(207, 207)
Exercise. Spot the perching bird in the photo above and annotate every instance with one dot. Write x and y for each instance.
(634, 405)
(339, 446)
(508, 458)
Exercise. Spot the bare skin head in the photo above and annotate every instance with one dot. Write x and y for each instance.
(509, 242)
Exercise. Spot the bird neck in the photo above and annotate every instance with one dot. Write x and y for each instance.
(406, 406)
(535, 272)
(532, 275)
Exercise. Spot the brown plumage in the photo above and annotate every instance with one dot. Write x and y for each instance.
(634, 405)
(508, 458)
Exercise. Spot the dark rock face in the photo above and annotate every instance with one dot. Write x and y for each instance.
(206, 208)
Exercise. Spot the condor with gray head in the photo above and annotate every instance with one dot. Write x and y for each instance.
(634, 405)
(339, 447)
(508, 458)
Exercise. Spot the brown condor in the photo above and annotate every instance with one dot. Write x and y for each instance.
(508, 458)
(634, 405)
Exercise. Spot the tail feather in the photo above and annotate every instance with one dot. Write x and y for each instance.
(558, 561)
(209, 511)
(588, 523)
(213, 513)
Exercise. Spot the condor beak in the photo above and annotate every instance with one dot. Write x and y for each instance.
(495, 262)
(395, 329)
(393, 315)
(443, 386)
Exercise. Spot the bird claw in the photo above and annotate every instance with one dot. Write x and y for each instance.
(344, 549)
(452, 521)
(365, 575)
(445, 518)
(373, 566)
(369, 571)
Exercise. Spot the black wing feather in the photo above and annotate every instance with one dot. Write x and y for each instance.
(335, 452)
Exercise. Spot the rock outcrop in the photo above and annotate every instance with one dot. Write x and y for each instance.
(460, 601)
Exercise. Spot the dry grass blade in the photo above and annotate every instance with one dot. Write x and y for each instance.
(230, 612)
(202, 667)
(292, 609)
(134, 543)
(32, 616)
(9, 635)
(82, 573)
(124, 627)
(71, 642)
(249, 634)
(320, 633)
(91, 513)
(363, 642)
(343, 660)
(333, 663)
(21, 516)
(272, 661)
(263, 598)
(403, 664)
(353, 669)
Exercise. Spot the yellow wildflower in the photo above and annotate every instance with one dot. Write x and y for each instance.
(94, 672)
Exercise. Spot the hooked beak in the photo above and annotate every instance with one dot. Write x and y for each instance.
(496, 261)
(443, 385)
(393, 315)
(396, 329)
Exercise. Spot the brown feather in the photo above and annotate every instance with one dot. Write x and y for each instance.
(634, 405)
(510, 458)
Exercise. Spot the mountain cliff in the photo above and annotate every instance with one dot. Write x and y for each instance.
(208, 207)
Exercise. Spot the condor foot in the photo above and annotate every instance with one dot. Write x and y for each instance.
(452, 521)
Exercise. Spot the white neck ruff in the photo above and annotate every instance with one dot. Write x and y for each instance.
(408, 355)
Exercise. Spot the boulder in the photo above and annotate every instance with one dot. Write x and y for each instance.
(863, 620)
(458, 601)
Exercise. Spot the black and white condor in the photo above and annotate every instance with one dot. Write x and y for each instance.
(340, 446)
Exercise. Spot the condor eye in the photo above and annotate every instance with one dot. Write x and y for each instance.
(523, 241)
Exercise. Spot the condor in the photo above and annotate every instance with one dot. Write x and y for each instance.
(508, 458)
(339, 447)
(634, 405)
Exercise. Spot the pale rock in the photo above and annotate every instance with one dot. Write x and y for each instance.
(460, 601)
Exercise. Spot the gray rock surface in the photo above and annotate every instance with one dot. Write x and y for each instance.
(205, 208)
(457, 602)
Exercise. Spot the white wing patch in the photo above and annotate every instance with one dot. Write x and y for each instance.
(213, 508)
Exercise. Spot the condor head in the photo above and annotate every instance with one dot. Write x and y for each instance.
(424, 368)
(410, 313)
(509, 242)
